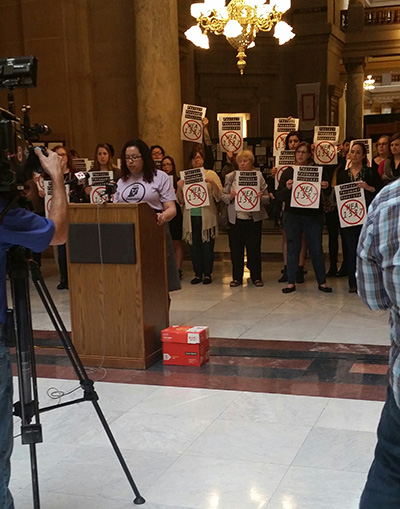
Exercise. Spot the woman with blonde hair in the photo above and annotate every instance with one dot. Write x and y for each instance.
(245, 228)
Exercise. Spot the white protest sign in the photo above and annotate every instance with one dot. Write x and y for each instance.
(367, 142)
(230, 129)
(195, 190)
(247, 187)
(98, 195)
(306, 190)
(100, 177)
(351, 204)
(326, 139)
(48, 189)
(282, 127)
(285, 159)
(191, 123)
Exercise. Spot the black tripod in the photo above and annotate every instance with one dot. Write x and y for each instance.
(19, 267)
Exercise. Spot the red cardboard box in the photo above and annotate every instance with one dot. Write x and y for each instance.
(185, 346)
(185, 334)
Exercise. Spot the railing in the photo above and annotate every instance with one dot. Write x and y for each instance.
(374, 16)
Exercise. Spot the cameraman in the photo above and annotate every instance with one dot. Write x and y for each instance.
(23, 228)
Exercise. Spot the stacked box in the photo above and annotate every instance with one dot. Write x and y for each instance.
(185, 345)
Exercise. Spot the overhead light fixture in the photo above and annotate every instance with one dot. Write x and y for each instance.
(369, 83)
(239, 21)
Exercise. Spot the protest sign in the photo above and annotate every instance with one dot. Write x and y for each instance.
(351, 204)
(306, 190)
(100, 177)
(48, 189)
(192, 123)
(282, 127)
(195, 190)
(326, 139)
(230, 130)
(285, 159)
(247, 187)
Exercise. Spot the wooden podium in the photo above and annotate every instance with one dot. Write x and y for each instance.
(117, 284)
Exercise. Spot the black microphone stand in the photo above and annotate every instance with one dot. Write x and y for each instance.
(19, 266)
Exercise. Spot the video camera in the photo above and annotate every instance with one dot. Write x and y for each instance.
(17, 158)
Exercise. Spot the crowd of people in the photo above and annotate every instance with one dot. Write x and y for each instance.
(149, 174)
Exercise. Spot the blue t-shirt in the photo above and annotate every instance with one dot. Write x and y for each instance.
(20, 228)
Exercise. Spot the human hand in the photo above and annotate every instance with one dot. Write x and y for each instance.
(232, 194)
(51, 163)
(180, 183)
(289, 184)
(88, 190)
(160, 219)
(205, 121)
(324, 184)
(273, 171)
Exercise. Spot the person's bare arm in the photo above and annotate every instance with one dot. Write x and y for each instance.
(167, 214)
(58, 213)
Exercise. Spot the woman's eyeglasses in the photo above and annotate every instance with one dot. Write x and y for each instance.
(132, 158)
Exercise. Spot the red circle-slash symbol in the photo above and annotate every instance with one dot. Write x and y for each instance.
(247, 198)
(192, 130)
(352, 212)
(231, 141)
(306, 194)
(196, 195)
(325, 151)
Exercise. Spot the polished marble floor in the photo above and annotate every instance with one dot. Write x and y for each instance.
(201, 448)
(283, 416)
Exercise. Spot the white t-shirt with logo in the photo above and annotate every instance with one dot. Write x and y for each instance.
(134, 190)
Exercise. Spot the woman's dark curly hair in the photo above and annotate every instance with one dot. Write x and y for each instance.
(149, 170)
(292, 133)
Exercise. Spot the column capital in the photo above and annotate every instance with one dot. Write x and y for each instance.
(354, 65)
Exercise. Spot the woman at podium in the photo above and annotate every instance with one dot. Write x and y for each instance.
(141, 182)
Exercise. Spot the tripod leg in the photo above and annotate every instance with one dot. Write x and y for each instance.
(86, 383)
(27, 408)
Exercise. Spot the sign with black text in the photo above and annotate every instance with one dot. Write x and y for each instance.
(285, 159)
(247, 187)
(192, 123)
(352, 208)
(230, 130)
(326, 139)
(282, 127)
(306, 190)
(195, 192)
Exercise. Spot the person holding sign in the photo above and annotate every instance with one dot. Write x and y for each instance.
(175, 225)
(368, 180)
(299, 220)
(141, 182)
(103, 162)
(291, 142)
(391, 166)
(200, 224)
(245, 219)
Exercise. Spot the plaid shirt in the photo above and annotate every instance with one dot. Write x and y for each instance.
(378, 268)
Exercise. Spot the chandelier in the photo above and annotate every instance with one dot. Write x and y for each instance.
(239, 21)
(369, 83)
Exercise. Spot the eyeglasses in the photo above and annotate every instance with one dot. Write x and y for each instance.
(156, 153)
(132, 158)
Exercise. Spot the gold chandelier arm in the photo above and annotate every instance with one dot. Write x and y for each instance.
(212, 24)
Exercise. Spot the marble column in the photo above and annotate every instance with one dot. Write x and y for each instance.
(355, 98)
(158, 76)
